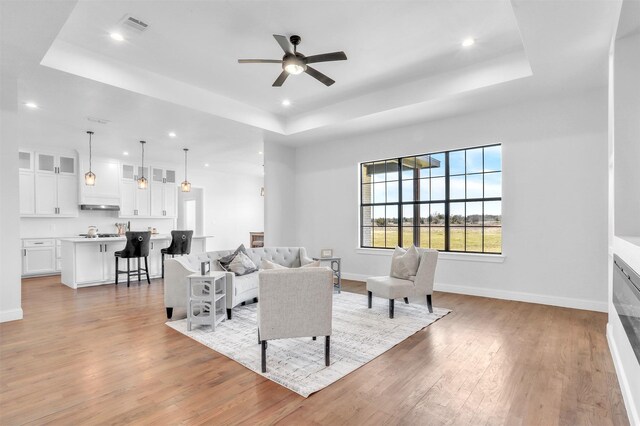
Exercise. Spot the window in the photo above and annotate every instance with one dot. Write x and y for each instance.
(449, 201)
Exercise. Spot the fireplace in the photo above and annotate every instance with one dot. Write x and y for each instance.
(626, 299)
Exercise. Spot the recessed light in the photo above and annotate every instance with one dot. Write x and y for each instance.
(286, 102)
(206, 164)
(125, 153)
(468, 42)
(31, 105)
(172, 135)
(116, 36)
(260, 152)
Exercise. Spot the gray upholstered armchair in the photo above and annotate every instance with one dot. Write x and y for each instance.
(395, 288)
(294, 303)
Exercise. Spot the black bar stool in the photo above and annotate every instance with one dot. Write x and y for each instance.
(180, 245)
(137, 247)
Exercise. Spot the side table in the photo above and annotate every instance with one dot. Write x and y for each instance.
(336, 268)
(206, 299)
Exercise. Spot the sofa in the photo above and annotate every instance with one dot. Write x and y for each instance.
(240, 289)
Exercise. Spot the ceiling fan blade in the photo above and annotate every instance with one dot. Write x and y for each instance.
(284, 43)
(259, 61)
(327, 57)
(281, 78)
(319, 76)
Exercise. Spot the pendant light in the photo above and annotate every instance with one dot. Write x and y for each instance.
(89, 177)
(142, 181)
(186, 185)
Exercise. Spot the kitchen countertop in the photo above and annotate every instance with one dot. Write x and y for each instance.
(107, 239)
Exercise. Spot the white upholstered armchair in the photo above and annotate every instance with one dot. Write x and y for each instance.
(396, 288)
(294, 303)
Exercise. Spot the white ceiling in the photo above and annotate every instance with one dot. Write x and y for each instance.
(387, 43)
(405, 65)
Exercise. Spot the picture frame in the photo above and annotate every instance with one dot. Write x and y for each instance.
(326, 253)
(205, 267)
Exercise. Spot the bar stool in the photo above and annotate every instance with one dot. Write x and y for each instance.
(180, 245)
(137, 247)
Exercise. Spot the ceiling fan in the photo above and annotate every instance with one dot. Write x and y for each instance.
(294, 62)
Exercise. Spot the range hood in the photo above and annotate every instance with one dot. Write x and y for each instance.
(102, 207)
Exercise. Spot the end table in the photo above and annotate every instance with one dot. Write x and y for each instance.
(336, 268)
(206, 299)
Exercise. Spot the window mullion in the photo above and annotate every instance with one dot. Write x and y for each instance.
(447, 188)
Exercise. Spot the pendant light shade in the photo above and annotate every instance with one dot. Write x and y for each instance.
(142, 181)
(89, 177)
(186, 185)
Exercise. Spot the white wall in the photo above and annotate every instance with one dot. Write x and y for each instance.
(627, 136)
(554, 199)
(624, 184)
(233, 207)
(280, 200)
(10, 259)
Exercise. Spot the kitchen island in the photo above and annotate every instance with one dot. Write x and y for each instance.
(91, 261)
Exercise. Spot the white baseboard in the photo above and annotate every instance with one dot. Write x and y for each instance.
(355, 277)
(11, 315)
(565, 302)
(632, 410)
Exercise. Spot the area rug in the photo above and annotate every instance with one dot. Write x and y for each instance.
(359, 335)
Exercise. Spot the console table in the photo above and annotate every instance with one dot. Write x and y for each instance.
(206, 299)
(335, 266)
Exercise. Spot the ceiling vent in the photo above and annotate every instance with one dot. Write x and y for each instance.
(130, 23)
(98, 120)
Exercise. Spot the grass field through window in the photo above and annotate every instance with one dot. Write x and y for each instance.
(434, 237)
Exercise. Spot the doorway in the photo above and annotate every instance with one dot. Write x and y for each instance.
(191, 211)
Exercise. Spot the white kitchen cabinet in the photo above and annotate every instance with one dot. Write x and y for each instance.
(38, 257)
(89, 258)
(96, 262)
(67, 192)
(48, 185)
(27, 193)
(163, 193)
(46, 194)
(107, 186)
(25, 160)
(134, 202)
(109, 260)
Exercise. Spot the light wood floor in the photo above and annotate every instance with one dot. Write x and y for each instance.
(103, 355)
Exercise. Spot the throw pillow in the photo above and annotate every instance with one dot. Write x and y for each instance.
(314, 264)
(404, 263)
(267, 264)
(242, 265)
(226, 260)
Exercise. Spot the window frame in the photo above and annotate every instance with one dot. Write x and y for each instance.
(416, 203)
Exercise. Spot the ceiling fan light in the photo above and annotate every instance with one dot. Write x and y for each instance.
(294, 68)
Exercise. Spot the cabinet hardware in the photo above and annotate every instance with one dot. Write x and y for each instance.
(100, 248)
(38, 242)
(24, 252)
(105, 247)
(151, 246)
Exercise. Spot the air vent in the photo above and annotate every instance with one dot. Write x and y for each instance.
(98, 120)
(131, 23)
